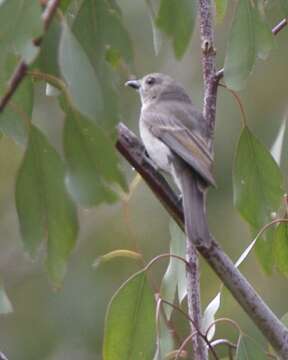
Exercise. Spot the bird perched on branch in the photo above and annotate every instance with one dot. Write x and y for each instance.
(176, 136)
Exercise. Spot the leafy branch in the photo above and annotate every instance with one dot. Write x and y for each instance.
(267, 322)
(21, 69)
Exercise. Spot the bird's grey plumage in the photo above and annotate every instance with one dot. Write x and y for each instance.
(172, 129)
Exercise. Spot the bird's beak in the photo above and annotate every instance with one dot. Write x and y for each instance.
(135, 84)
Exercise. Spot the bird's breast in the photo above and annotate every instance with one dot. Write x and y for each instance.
(156, 149)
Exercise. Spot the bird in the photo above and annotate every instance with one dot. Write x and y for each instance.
(176, 138)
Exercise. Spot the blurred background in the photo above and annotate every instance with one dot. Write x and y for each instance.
(68, 323)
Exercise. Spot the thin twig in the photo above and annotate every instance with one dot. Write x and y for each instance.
(239, 102)
(21, 69)
(204, 337)
(14, 82)
(276, 29)
(184, 344)
(49, 12)
(186, 341)
(227, 320)
(163, 256)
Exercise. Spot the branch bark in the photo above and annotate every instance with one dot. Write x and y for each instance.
(21, 69)
(208, 64)
(258, 311)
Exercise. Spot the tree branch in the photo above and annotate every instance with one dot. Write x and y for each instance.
(208, 64)
(21, 69)
(263, 317)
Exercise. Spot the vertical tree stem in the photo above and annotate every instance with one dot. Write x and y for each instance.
(209, 111)
(208, 63)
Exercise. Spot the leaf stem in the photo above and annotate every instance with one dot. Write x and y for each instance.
(239, 102)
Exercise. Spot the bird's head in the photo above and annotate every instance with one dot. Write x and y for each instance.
(157, 86)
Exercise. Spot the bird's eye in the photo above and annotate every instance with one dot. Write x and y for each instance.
(150, 81)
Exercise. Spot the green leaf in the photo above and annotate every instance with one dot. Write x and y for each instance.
(208, 317)
(276, 149)
(257, 181)
(98, 27)
(284, 5)
(177, 19)
(248, 349)
(157, 34)
(175, 275)
(100, 40)
(20, 23)
(264, 250)
(83, 84)
(114, 5)
(241, 48)
(17, 114)
(64, 4)
(5, 304)
(221, 8)
(280, 246)
(43, 205)
(122, 253)
(48, 57)
(113, 57)
(130, 322)
(92, 162)
(264, 38)
(165, 341)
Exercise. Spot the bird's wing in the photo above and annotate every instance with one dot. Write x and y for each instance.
(185, 143)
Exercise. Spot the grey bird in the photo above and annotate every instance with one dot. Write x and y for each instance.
(175, 136)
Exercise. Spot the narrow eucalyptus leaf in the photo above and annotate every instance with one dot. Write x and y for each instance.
(177, 19)
(241, 48)
(16, 116)
(24, 25)
(80, 76)
(165, 341)
(130, 321)
(264, 250)
(284, 5)
(5, 304)
(98, 27)
(47, 61)
(92, 161)
(280, 245)
(248, 349)
(277, 147)
(263, 35)
(257, 181)
(221, 8)
(43, 205)
(175, 276)
(101, 46)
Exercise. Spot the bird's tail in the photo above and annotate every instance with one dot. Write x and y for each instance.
(196, 232)
(194, 207)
